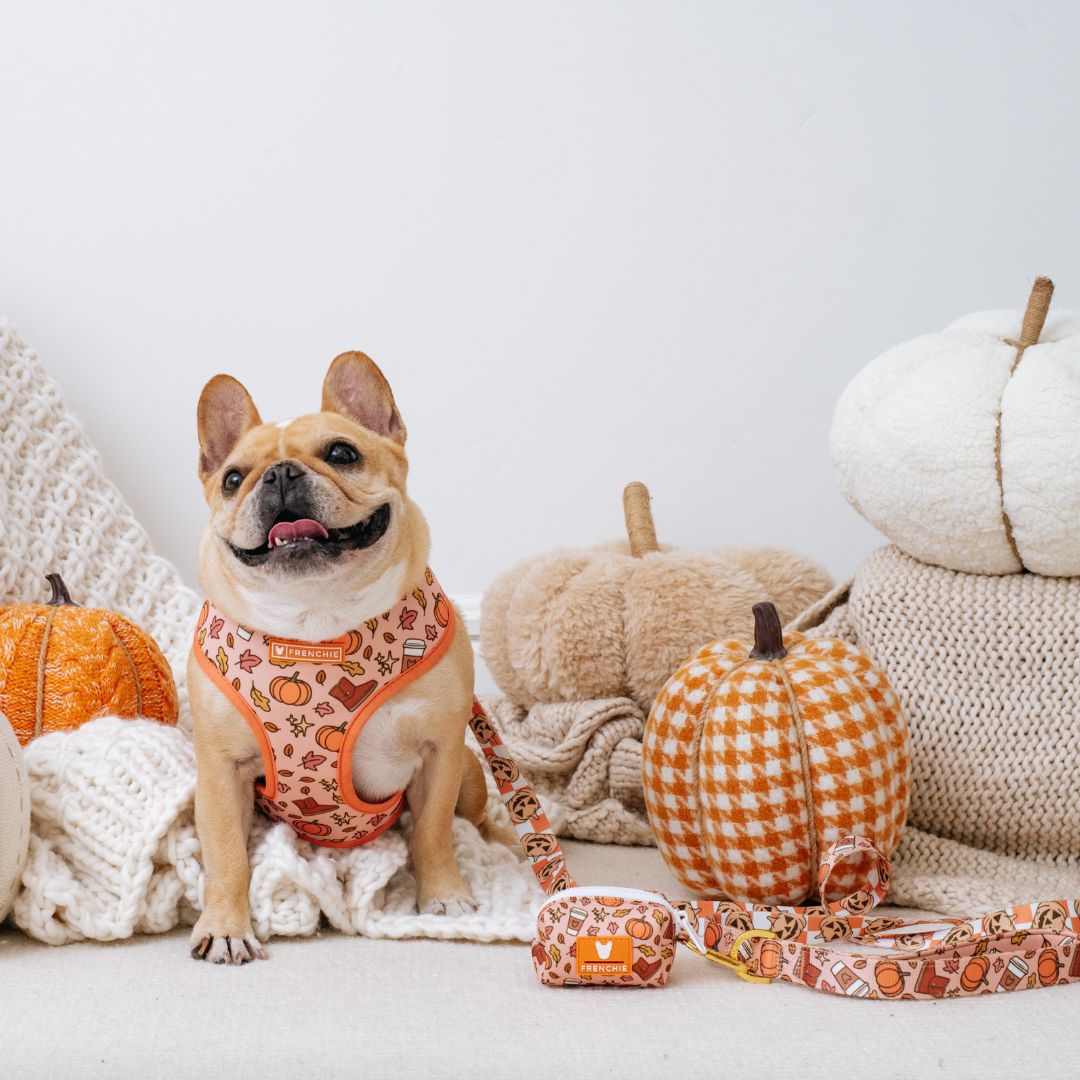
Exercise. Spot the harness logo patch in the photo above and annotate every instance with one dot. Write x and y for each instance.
(330, 652)
(603, 956)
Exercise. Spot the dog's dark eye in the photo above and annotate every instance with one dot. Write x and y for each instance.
(233, 479)
(341, 453)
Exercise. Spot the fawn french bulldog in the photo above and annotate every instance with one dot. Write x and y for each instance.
(311, 538)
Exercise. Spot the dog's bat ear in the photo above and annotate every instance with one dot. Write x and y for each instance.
(226, 412)
(357, 389)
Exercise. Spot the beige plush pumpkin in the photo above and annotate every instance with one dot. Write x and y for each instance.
(618, 619)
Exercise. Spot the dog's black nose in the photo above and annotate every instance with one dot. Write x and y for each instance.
(283, 474)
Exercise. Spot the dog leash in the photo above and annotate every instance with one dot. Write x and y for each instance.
(1023, 947)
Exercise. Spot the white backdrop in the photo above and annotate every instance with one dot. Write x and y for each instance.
(588, 243)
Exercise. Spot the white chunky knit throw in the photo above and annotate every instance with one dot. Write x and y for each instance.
(113, 849)
(14, 815)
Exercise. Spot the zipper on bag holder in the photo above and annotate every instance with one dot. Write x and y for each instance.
(682, 920)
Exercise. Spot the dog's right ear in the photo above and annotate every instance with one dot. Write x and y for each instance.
(226, 413)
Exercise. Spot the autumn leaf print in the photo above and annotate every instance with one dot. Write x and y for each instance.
(229, 640)
(320, 678)
(236, 684)
(407, 618)
(222, 660)
(351, 667)
(389, 638)
(324, 708)
(430, 632)
(202, 637)
(367, 653)
(420, 597)
(259, 699)
(217, 624)
(248, 661)
(372, 624)
(646, 950)
(621, 913)
(429, 577)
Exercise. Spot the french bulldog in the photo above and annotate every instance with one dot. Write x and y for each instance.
(311, 532)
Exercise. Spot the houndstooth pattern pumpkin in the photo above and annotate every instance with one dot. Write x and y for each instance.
(754, 762)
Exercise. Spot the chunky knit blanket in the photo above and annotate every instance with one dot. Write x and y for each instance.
(113, 849)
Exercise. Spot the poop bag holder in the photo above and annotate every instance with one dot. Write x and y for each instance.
(612, 936)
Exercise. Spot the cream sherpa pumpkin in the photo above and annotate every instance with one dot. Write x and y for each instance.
(616, 621)
(963, 447)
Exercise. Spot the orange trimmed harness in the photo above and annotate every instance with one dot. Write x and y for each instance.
(306, 703)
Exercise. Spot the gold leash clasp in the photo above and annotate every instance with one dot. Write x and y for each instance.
(737, 958)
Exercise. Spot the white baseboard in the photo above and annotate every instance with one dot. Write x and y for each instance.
(470, 608)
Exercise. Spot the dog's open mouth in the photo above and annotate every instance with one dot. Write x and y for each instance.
(291, 537)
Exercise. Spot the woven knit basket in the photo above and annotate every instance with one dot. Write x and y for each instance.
(14, 815)
(987, 671)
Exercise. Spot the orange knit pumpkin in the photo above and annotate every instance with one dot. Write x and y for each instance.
(62, 664)
(735, 739)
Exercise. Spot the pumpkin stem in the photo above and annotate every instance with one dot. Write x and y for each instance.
(1037, 307)
(60, 595)
(768, 633)
(640, 530)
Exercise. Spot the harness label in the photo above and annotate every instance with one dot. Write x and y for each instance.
(331, 652)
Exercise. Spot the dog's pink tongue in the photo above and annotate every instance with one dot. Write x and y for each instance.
(285, 531)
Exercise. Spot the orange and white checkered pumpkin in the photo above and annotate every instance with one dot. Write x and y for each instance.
(755, 760)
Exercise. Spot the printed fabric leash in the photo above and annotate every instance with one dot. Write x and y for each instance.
(1018, 948)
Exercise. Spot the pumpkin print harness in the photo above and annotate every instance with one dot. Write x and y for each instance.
(306, 703)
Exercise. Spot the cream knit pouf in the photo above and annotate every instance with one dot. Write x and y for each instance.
(14, 815)
(987, 670)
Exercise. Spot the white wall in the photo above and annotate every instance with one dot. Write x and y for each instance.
(588, 243)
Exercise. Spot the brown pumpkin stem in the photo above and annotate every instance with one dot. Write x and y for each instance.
(60, 595)
(640, 530)
(768, 633)
(1035, 313)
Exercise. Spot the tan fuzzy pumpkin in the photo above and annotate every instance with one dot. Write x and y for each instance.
(618, 619)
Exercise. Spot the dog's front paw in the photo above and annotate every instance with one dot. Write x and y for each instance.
(225, 941)
(450, 899)
(454, 905)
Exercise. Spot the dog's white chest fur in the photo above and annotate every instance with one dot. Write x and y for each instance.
(385, 758)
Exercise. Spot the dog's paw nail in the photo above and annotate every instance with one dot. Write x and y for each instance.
(457, 906)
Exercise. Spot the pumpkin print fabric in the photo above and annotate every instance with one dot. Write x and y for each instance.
(306, 702)
(62, 665)
(585, 939)
(752, 766)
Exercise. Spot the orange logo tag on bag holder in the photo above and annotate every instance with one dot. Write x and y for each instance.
(329, 652)
(603, 955)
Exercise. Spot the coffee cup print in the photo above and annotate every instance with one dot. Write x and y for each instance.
(849, 982)
(1012, 975)
(412, 652)
(575, 921)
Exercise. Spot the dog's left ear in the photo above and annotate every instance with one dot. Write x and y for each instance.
(357, 389)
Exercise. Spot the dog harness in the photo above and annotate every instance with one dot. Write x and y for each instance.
(307, 702)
